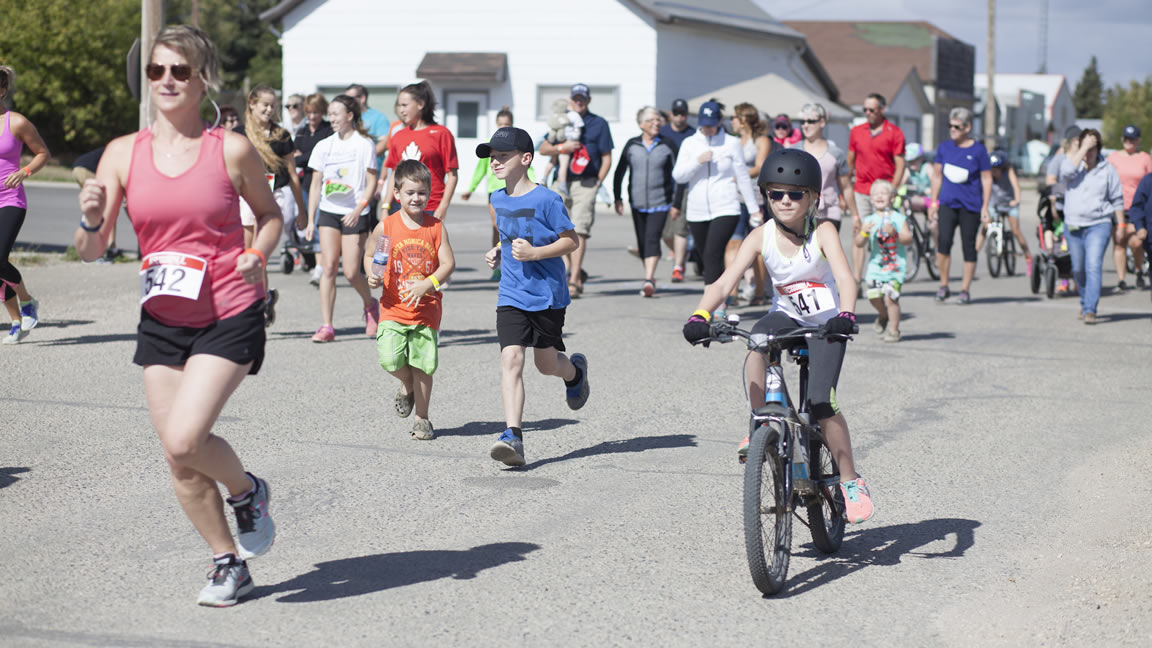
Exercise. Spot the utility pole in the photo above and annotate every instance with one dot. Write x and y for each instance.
(1043, 69)
(195, 13)
(151, 21)
(991, 112)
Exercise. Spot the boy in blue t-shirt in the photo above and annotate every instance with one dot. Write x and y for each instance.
(535, 229)
(888, 232)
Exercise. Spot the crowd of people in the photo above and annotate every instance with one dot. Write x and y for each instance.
(754, 202)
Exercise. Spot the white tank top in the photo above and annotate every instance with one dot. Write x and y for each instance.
(750, 151)
(805, 288)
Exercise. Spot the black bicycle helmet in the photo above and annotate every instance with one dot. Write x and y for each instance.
(791, 167)
(998, 158)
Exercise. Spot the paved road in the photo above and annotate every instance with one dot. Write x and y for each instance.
(998, 440)
(53, 211)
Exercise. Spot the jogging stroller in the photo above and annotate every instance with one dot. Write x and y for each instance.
(1053, 262)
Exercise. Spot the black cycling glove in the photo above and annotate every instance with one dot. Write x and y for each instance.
(842, 324)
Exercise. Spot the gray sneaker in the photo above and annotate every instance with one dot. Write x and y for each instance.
(227, 582)
(422, 430)
(255, 531)
(508, 449)
(578, 395)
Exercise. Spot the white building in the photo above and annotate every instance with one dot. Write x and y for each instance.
(527, 53)
(1059, 111)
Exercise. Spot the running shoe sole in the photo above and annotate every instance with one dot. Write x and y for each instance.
(580, 397)
(244, 590)
(506, 454)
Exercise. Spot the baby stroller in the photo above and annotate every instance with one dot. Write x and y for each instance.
(1051, 263)
(296, 251)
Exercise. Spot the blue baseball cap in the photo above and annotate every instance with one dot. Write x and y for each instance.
(709, 114)
(1131, 131)
(580, 90)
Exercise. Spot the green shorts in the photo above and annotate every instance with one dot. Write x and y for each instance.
(407, 345)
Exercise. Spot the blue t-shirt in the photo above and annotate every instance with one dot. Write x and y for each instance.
(887, 259)
(677, 137)
(960, 187)
(377, 126)
(538, 217)
(597, 138)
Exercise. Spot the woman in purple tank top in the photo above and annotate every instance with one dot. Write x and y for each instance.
(202, 311)
(16, 132)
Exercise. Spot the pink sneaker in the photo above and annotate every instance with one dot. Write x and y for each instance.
(857, 501)
(742, 448)
(324, 334)
(372, 319)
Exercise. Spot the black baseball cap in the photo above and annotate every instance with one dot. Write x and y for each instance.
(1131, 131)
(679, 107)
(508, 138)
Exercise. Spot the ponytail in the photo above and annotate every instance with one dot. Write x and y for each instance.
(422, 92)
(352, 106)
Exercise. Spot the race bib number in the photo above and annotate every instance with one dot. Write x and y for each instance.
(808, 297)
(173, 274)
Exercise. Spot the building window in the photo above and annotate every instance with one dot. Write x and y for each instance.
(467, 119)
(605, 101)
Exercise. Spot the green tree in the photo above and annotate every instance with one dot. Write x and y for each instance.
(70, 73)
(1089, 93)
(1123, 106)
(248, 49)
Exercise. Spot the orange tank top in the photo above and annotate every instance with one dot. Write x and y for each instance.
(414, 254)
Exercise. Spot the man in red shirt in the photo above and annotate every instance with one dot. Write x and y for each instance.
(875, 152)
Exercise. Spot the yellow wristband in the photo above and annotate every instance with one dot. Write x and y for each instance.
(703, 313)
(435, 281)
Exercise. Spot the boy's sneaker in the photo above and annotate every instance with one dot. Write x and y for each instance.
(324, 334)
(880, 326)
(857, 501)
(227, 582)
(677, 274)
(255, 531)
(15, 334)
(270, 307)
(29, 315)
(742, 448)
(963, 297)
(508, 449)
(372, 320)
(892, 336)
(943, 294)
(577, 395)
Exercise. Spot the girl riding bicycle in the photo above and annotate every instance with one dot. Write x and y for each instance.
(813, 287)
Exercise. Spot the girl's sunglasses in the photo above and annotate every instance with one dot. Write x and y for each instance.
(777, 196)
(180, 72)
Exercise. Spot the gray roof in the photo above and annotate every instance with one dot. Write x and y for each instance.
(738, 14)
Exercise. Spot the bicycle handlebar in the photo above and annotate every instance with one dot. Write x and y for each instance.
(724, 332)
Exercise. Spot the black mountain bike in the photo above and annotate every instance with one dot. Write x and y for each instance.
(777, 482)
(922, 248)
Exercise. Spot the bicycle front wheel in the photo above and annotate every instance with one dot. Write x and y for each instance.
(993, 253)
(1010, 255)
(826, 511)
(767, 510)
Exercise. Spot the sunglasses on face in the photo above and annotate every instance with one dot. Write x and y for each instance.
(871, 110)
(180, 71)
(955, 127)
(781, 126)
(777, 196)
(293, 106)
(810, 121)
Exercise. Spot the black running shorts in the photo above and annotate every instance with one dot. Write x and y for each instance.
(538, 329)
(328, 219)
(239, 338)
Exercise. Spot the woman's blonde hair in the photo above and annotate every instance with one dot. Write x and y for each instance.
(748, 114)
(260, 136)
(194, 45)
(316, 102)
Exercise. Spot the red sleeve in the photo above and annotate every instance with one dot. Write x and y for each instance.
(393, 156)
(898, 142)
(448, 147)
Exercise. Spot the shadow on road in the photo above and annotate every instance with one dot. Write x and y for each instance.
(920, 337)
(345, 334)
(89, 339)
(349, 577)
(881, 547)
(63, 323)
(7, 475)
(638, 444)
(467, 337)
(1120, 317)
(482, 428)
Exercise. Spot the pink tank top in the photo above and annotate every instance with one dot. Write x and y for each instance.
(197, 213)
(10, 147)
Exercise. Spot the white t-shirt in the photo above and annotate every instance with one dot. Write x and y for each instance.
(343, 166)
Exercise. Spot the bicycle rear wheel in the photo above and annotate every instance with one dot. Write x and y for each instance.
(912, 267)
(928, 253)
(993, 254)
(826, 512)
(767, 518)
(1010, 255)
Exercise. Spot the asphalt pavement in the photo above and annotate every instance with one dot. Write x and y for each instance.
(1003, 441)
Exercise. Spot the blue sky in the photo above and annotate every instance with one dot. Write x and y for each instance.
(1118, 32)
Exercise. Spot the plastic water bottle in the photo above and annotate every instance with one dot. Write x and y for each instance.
(380, 256)
(774, 385)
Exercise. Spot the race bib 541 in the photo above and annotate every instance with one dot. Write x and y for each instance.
(808, 297)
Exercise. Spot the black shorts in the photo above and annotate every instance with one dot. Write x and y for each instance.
(538, 329)
(239, 338)
(328, 219)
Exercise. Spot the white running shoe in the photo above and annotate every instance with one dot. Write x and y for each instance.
(255, 531)
(227, 582)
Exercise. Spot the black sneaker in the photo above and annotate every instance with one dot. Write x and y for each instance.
(255, 531)
(270, 307)
(943, 294)
(1122, 286)
(1140, 285)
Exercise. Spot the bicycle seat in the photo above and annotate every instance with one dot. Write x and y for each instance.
(771, 410)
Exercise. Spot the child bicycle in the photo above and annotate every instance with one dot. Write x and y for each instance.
(922, 247)
(788, 465)
(1001, 249)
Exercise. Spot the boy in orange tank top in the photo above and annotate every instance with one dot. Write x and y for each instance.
(414, 260)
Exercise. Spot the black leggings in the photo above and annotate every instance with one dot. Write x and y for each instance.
(648, 226)
(969, 222)
(711, 237)
(825, 357)
(11, 220)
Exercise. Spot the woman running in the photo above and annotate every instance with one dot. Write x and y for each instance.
(425, 140)
(649, 159)
(345, 166)
(16, 132)
(201, 320)
(274, 144)
(708, 163)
